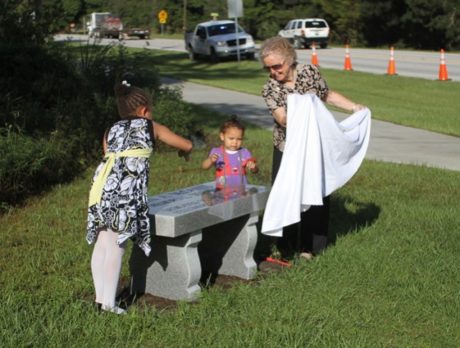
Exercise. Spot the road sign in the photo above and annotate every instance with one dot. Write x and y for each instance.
(162, 16)
(235, 8)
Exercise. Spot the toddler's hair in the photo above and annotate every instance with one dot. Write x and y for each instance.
(129, 98)
(232, 122)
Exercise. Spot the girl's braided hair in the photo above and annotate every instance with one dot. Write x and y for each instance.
(129, 98)
(232, 122)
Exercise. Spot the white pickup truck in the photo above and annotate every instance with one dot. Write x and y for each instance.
(217, 39)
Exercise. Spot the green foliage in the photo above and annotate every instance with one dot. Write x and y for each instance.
(410, 23)
(28, 165)
(171, 111)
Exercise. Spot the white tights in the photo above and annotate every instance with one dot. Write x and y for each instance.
(106, 266)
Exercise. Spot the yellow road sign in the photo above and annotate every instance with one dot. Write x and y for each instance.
(162, 16)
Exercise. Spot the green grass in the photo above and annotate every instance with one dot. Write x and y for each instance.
(390, 279)
(431, 105)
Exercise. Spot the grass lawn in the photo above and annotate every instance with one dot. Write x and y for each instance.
(420, 103)
(389, 279)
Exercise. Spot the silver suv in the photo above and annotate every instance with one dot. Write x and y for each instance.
(303, 32)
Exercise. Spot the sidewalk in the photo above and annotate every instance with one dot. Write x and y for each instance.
(389, 142)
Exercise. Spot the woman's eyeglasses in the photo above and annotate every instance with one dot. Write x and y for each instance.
(275, 67)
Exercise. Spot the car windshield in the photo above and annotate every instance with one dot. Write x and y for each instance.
(315, 24)
(222, 29)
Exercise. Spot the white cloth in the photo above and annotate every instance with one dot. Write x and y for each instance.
(319, 157)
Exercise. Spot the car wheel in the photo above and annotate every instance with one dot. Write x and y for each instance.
(250, 56)
(297, 43)
(192, 55)
(323, 45)
(213, 56)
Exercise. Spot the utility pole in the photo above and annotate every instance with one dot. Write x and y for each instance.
(184, 24)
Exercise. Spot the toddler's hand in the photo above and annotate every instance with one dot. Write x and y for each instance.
(214, 157)
(251, 165)
(185, 154)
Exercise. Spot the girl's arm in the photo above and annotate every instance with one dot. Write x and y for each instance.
(170, 138)
(104, 141)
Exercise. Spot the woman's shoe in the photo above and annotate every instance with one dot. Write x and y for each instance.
(306, 256)
(114, 309)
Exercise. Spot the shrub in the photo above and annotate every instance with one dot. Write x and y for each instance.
(28, 165)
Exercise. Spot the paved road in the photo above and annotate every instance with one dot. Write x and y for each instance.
(389, 142)
(408, 63)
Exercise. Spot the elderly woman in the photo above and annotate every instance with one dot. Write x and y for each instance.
(287, 76)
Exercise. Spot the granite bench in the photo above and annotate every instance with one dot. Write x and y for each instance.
(197, 231)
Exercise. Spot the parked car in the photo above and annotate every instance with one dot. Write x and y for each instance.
(303, 32)
(216, 39)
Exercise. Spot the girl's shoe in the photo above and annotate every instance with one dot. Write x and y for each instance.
(114, 309)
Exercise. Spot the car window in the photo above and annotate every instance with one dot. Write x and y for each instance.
(293, 24)
(315, 24)
(222, 29)
(288, 25)
(299, 24)
(201, 33)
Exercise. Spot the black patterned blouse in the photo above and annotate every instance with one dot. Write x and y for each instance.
(309, 80)
(123, 207)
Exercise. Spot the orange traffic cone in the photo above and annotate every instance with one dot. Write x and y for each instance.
(391, 64)
(443, 76)
(347, 64)
(314, 56)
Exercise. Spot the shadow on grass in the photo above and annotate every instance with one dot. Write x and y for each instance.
(180, 66)
(346, 215)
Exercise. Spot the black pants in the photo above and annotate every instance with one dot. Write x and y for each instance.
(310, 234)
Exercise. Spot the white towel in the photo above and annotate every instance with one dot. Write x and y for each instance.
(319, 157)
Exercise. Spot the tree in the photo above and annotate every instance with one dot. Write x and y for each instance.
(431, 24)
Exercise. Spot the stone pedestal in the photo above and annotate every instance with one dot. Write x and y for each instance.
(198, 233)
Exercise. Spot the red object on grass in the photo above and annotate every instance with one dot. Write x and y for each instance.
(279, 262)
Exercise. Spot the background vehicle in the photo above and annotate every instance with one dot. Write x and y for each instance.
(216, 39)
(104, 24)
(141, 33)
(303, 32)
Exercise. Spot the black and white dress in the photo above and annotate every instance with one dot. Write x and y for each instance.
(123, 207)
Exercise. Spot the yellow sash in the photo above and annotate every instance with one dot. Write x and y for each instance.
(96, 190)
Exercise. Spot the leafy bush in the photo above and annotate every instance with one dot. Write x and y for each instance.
(29, 165)
(55, 103)
(171, 111)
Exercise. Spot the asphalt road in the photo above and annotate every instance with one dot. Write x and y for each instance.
(423, 64)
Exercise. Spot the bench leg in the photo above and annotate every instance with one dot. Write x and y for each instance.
(171, 271)
(228, 248)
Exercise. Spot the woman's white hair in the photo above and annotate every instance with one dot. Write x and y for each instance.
(278, 46)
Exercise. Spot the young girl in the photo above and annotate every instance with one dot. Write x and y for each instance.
(230, 159)
(118, 208)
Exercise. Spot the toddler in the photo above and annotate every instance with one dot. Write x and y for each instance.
(230, 160)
